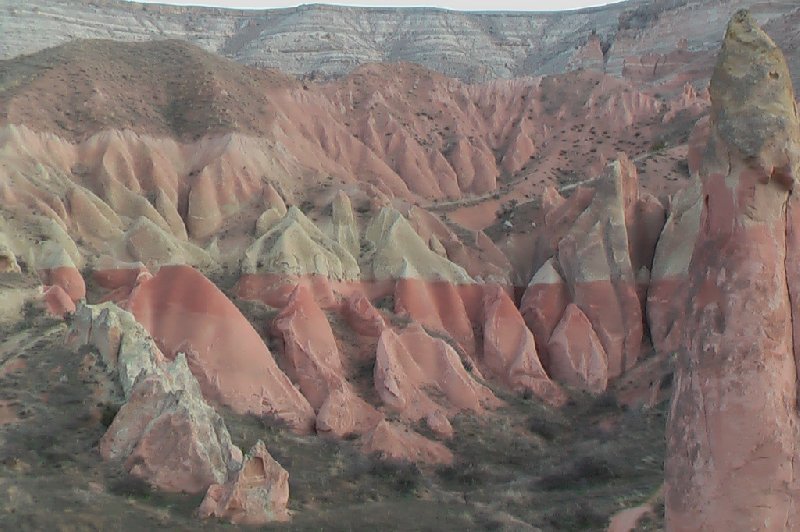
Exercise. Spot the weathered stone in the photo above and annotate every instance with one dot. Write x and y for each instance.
(256, 494)
(732, 435)
(577, 356)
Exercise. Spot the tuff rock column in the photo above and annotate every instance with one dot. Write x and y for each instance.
(732, 432)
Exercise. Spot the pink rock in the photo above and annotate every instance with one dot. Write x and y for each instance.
(667, 294)
(396, 442)
(58, 302)
(185, 312)
(167, 435)
(732, 435)
(437, 305)
(509, 349)
(311, 355)
(362, 316)
(409, 366)
(577, 355)
(256, 494)
(68, 278)
(543, 304)
(344, 413)
(595, 259)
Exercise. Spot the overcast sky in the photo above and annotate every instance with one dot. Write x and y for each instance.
(466, 5)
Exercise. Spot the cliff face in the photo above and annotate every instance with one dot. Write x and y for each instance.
(332, 41)
(732, 432)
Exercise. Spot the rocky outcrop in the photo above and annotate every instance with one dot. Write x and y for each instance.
(577, 357)
(600, 242)
(667, 292)
(186, 313)
(312, 359)
(398, 252)
(256, 494)
(56, 268)
(732, 440)
(165, 433)
(412, 369)
(393, 441)
(296, 246)
(509, 350)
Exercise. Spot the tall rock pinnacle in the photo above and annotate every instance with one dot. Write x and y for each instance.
(732, 435)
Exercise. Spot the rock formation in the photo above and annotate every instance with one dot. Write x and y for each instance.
(256, 494)
(732, 432)
(600, 242)
(186, 313)
(165, 433)
(635, 35)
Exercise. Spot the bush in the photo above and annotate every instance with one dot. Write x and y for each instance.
(404, 476)
(586, 470)
(578, 516)
(547, 429)
(464, 473)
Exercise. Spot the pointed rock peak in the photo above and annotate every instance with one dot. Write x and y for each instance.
(342, 208)
(621, 180)
(547, 274)
(273, 199)
(753, 109)
(551, 199)
(300, 297)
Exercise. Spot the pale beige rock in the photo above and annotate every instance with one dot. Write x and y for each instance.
(296, 246)
(344, 228)
(397, 251)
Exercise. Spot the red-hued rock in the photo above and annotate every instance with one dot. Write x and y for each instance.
(667, 294)
(410, 365)
(256, 494)
(344, 413)
(165, 433)
(509, 350)
(310, 354)
(112, 274)
(362, 316)
(275, 289)
(577, 357)
(543, 304)
(732, 435)
(395, 442)
(66, 277)
(596, 262)
(437, 305)
(58, 302)
(185, 312)
(312, 360)
(175, 445)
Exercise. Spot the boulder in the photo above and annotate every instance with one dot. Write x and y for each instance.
(165, 432)
(256, 494)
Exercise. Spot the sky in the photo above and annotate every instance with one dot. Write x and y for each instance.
(462, 5)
